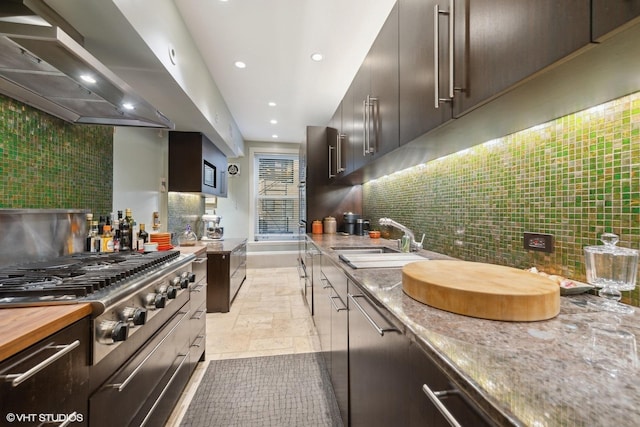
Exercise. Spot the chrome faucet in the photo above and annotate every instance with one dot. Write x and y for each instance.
(413, 245)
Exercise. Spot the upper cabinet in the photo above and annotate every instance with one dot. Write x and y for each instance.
(420, 80)
(498, 43)
(370, 110)
(610, 14)
(196, 165)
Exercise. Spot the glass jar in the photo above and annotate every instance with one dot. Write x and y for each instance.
(188, 238)
(611, 265)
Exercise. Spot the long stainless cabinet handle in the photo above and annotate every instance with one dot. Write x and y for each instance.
(334, 305)
(330, 165)
(365, 126)
(380, 330)
(340, 138)
(436, 52)
(121, 386)
(434, 397)
(17, 379)
(165, 389)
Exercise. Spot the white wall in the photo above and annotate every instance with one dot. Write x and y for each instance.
(140, 162)
(235, 209)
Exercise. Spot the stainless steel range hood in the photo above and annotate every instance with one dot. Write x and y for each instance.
(43, 66)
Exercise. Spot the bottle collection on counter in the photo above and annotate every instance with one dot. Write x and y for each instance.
(119, 234)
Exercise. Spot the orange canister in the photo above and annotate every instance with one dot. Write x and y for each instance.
(316, 227)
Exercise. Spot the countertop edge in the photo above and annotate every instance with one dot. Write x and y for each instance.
(30, 325)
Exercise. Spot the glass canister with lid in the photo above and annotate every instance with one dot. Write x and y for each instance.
(609, 265)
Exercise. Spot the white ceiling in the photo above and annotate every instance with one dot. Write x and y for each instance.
(275, 38)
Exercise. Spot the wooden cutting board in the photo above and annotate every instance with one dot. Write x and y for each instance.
(482, 290)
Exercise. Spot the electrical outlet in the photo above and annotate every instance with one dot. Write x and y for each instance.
(538, 242)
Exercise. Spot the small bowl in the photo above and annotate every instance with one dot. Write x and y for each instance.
(150, 247)
(374, 234)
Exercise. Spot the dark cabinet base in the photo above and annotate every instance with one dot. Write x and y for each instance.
(226, 272)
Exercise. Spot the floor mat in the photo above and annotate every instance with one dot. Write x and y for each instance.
(278, 391)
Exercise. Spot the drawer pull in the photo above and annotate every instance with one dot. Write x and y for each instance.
(334, 304)
(121, 386)
(380, 330)
(199, 340)
(197, 288)
(198, 315)
(17, 379)
(199, 260)
(165, 389)
(434, 397)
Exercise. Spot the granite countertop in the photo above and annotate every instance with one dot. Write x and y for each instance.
(225, 245)
(579, 368)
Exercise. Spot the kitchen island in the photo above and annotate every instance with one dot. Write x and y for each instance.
(579, 368)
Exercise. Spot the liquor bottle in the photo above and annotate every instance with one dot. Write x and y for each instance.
(116, 241)
(90, 236)
(97, 240)
(131, 238)
(143, 237)
(107, 239)
(125, 236)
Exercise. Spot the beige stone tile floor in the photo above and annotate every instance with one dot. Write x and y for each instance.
(268, 317)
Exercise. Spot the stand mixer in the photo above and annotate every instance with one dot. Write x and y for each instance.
(212, 229)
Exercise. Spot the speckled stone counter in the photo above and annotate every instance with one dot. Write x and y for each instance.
(577, 369)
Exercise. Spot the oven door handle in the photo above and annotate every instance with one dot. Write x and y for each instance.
(17, 379)
(121, 386)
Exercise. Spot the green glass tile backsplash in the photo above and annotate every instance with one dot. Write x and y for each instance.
(46, 162)
(575, 177)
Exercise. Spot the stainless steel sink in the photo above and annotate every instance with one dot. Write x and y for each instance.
(375, 257)
(364, 250)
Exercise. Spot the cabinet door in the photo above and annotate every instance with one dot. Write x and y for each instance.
(322, 313)
(360, 88)
(418, 78)
(339, 335)
(351, 118)
(501, 42)
(383, 62)
(423, 411)
(377, 366)
(610, 14)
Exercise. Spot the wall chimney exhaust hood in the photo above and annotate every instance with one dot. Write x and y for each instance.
(42, 65)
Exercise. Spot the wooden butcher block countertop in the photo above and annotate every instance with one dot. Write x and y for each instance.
(482, 290)
(22, 327)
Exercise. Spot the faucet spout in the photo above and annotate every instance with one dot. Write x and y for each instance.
(414, 245)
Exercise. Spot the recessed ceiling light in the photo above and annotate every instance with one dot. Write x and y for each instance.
(240, 64)
(272, 104)
(273, 121)
(274, 136)
(127, 106)
(87, 78)
(317, 57)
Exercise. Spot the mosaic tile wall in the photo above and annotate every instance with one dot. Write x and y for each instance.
(183, 209)
(575, 177)
(46, 162)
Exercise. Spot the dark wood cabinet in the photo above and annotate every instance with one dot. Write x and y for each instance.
(499, 43)
(226, 271)
(418, 77)
(53, 380)
(378, 365)
(196, 165)
(374, 97)
(323, 196)
(336, 284)
(611, 14)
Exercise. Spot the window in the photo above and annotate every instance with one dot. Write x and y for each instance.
(277, 204)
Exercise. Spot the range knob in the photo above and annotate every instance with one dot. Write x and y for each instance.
(169, 290)
(135, 315)
(111, 331)
(154, 300)
(192, 277)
